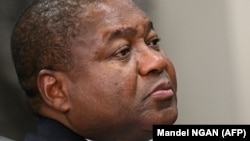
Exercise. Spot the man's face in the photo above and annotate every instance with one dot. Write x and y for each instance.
(123, 82)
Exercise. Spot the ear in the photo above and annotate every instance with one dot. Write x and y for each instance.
(53, 90)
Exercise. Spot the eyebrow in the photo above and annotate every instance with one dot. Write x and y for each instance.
(118, 33)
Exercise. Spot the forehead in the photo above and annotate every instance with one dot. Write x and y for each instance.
(108, 20)
(103, 17)
(112, 11)
(109, 5)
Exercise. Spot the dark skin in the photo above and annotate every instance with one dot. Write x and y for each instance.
(121, 83)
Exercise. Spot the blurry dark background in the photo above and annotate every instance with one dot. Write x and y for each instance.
(15, 118)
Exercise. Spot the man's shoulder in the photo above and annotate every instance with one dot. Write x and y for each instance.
(34, 137)
(51, 130)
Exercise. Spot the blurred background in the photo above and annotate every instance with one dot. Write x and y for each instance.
(207, 40)
(15, 118)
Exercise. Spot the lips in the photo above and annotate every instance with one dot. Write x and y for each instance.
(163, 91)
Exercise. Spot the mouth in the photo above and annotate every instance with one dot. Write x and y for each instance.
(163, 91)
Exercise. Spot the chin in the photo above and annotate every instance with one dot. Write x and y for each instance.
(167, 116)
(164, 117)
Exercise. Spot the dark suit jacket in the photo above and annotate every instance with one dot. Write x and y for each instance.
(51, 130)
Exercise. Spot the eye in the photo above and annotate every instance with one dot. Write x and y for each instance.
(154, 43)
(123, 52)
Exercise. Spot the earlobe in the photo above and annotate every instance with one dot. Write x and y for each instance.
(52, 90)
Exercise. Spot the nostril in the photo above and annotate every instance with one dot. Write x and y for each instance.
(155, 71)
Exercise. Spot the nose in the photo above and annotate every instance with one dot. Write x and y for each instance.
(151, 61)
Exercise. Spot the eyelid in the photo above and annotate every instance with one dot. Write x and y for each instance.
(118, 52)
(155, 40)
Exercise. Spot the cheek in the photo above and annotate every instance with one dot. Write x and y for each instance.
(104, 98)
(106, 91)
(118, 80)
(118, 86)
